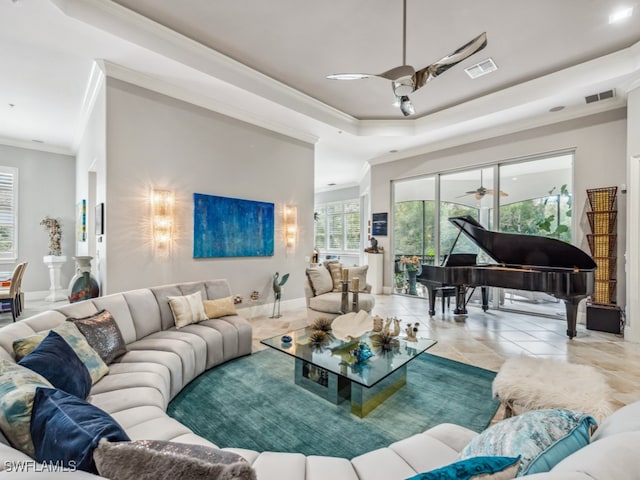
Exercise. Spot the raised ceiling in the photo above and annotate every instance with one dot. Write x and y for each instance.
(266, 62)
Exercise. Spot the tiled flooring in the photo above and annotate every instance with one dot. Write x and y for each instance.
(488, 339)
(481, 339)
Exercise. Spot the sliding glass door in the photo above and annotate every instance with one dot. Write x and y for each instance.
(530, 197)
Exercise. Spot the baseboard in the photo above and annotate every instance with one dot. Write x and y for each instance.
(39, 295)
(256, 309)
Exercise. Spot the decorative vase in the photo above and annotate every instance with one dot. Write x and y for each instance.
(412, 282)
(84, 284)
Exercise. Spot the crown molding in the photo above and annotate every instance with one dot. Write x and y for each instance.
(204, 100)
(94, 85)
(31, 145)
(115, 19)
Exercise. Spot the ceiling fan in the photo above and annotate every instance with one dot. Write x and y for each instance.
(481, 191)
(405, 79)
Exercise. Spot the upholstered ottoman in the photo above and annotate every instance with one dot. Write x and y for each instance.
(529, 383)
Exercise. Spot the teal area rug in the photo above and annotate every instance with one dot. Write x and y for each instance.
(253, 402)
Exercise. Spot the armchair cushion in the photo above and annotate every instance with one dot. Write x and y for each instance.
(320, 279)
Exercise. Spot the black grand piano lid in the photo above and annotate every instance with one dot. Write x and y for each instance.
(525, 250)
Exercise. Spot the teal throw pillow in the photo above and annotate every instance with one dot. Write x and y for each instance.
(17, 388)
(542, 438)
(500, 468)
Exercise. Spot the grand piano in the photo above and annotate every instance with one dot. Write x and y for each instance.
(523, 262)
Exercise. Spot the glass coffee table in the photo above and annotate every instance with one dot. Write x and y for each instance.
(333, 372)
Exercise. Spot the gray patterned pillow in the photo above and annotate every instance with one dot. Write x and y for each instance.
(103, 334)
(154, 459)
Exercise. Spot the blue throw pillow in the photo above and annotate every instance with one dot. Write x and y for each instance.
(67, 429)
(472, 468)
(541, 437)
(56, 361)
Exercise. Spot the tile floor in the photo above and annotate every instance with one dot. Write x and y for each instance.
(481, 339)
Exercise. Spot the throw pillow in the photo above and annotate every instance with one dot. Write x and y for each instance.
(361, 274)
(541, 437)
(103, 334)
(56, 361)
(187, 309)
(17, 388)
(67, 429)
(24, 346)
(476, 468)
(335, 269)
(150, 459)
(219, 307)
(91, 359)
(319, 279)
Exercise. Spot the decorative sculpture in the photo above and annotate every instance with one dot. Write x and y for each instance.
(277, 292)
(55, 235)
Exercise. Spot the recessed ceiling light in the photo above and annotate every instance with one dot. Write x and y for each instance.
(620, 15)
(393, 151)
(557, 109)
(37, 141)
(331, 184)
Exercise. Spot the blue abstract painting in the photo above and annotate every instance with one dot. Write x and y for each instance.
(231, 227)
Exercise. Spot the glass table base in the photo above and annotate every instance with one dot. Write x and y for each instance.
(336, 389)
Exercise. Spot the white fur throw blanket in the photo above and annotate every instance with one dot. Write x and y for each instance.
(530, 383)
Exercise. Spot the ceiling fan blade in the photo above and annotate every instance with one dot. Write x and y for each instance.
(350, 76)
(424, 75)
(503, 194)
(398, 73)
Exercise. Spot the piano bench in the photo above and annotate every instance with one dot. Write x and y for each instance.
(531, 383)
(446, 292)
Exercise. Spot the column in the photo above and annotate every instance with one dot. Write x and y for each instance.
(54, 263)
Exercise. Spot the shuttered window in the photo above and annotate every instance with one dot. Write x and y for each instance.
(8, 213)
(337, 226)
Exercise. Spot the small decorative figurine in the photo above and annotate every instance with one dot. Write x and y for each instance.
(412, 332)
(362, 352)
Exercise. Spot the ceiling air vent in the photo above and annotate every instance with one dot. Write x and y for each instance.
(596, 97)
(481, 68)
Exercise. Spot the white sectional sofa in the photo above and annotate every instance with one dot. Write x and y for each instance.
(161, 360)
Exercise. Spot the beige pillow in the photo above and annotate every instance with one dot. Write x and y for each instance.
(336, 275)
(187, 309)
(361, 274)
(320, 279)
(219, 307)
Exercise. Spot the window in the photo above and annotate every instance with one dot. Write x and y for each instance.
(8, 213)
(337, 226)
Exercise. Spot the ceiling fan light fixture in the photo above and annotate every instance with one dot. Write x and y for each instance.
(348, 76)
(406, 107)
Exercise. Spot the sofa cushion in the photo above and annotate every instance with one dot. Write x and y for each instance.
(320, 279)
(103, 334)
(541, 437)
(331, 302)
(475, 468)
(18, 386)
(151, 459)
(187, 309)
(219, 307)
(66, 429)
(56, 361)
(335, 270)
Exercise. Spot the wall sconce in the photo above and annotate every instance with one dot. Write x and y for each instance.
(290, 225)
(162, 219)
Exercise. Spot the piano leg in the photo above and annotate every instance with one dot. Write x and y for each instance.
(461, 300)
(485, 298)
(432, 300)
(571, 306)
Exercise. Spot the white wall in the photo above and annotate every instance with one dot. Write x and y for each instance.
(600, 161)
(46, 188)
(156, 141)
(91, 157)
(632, 329)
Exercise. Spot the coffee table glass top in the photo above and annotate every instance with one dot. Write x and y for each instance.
(336, 355)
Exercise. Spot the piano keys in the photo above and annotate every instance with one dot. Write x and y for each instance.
(523, 262)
